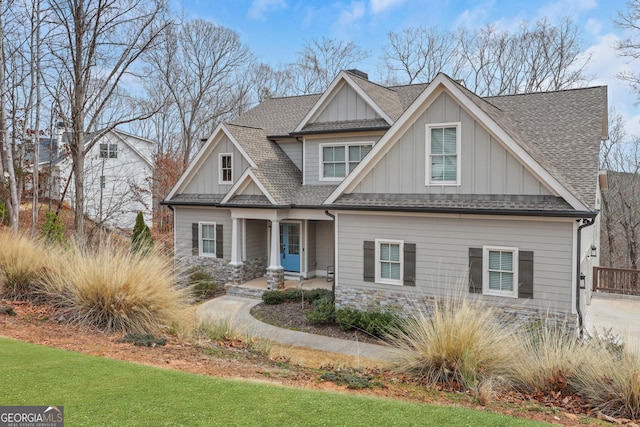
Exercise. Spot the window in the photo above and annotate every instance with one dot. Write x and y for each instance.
(337, 161)
(226, 168)
(108, 151)
(389, 261)
(500, 271)
(207, 239)
(443, 148)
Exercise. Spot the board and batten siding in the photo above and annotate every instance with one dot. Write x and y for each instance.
(206, 181)
(442, 253)
(347, 105)
(313, 157)
(185, 216)
(486, 166)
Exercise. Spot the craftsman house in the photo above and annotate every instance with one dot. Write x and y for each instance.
(402, 193)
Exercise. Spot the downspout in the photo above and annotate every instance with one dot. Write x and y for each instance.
(585, 223)
(333, 284)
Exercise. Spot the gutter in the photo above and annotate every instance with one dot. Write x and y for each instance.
(365, 129)
(586, 222)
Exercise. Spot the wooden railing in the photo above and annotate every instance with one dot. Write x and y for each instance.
(616, 280)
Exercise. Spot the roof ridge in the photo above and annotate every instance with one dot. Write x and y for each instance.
(243, 126)
(543, 92)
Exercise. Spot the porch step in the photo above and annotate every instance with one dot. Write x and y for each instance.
(244, 292)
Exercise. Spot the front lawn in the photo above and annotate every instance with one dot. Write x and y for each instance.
(102, 392)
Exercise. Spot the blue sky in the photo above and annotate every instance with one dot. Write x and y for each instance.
(276, 29)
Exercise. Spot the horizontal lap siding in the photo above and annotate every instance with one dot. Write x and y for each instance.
(443, 247)
(185, 216)
(256, 231)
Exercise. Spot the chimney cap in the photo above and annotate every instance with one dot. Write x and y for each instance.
(358, 73)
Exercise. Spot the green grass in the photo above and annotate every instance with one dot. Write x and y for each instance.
(103, 392)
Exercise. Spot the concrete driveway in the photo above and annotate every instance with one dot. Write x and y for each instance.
(619, 314)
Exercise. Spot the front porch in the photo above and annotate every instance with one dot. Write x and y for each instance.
(256, 287)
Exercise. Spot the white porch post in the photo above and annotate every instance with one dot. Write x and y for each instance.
(236, 255)
(275, 271)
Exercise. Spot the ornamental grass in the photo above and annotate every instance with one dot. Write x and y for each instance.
(117, 290)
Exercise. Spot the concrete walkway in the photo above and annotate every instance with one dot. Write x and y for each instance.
(615, 313)
(236, 310)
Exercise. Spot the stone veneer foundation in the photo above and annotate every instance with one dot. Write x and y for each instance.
(224, 273)
(407, 304)
(275, 278)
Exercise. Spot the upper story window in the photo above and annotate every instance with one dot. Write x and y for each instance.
(443, 154)
(226, 168)
(338, 160)
(108, 151)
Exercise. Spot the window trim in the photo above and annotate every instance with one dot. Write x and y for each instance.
(346, 146)
(111, 151)
(200, 239)
(428, 127)
(485, 271)
(378, 278)
(221, 180)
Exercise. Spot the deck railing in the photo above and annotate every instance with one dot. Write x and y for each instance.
(616, 280)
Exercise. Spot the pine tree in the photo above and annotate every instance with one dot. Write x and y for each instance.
(141, 241)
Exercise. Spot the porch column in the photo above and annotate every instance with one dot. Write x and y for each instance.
(236, 255)
(275, 272)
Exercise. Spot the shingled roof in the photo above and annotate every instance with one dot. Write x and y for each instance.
(561, 131)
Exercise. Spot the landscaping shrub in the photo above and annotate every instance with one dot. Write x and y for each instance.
(202, 284)
(53, 228)
(23, 262)
(294, 295)
(323, 311)
(352, 378)
(377, 323)
(141, 240)
(461, 343)
(116, 290)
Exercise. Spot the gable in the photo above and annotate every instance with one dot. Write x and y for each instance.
(486, 167)
(347, 104)
(207, 178)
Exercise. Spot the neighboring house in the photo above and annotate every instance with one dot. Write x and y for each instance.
(118, 170)
(404, 193)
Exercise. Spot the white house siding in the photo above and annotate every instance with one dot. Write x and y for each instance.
(206, 181)
(293, 149)
(312, 154)
(126, 182)
(442, 251)
(486, 166)
(186, 215)
(347, 105)
(251, 190)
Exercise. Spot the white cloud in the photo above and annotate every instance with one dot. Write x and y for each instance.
(378, 6)
(349, 17)
(562, 8)
(474, 18)
(259, 8)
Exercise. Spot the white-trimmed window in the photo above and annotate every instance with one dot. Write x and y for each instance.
(225, 164)
(207, 239)
(108, 151)
(389, 261)
(443, 154)
(500, 271)
(338, 160)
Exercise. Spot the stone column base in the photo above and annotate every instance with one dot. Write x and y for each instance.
(275, 278)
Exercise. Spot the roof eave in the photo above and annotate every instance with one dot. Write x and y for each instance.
(332, 131)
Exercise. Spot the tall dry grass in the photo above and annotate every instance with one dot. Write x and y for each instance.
(116, 290)
(23, 263)
(461, 343)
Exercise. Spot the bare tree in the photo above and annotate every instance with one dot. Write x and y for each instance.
(198, 68)
(629, 20)
(418, 54)
(96, 47)
(320, 61)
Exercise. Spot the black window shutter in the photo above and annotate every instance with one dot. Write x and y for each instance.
(194, 239)
(369, 261)
(409, 264)
(219, 241)
(475, 270)
(525, 274)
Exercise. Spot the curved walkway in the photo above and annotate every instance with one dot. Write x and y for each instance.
(236, 310)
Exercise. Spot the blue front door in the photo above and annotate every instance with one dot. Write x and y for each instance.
(290, 247)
